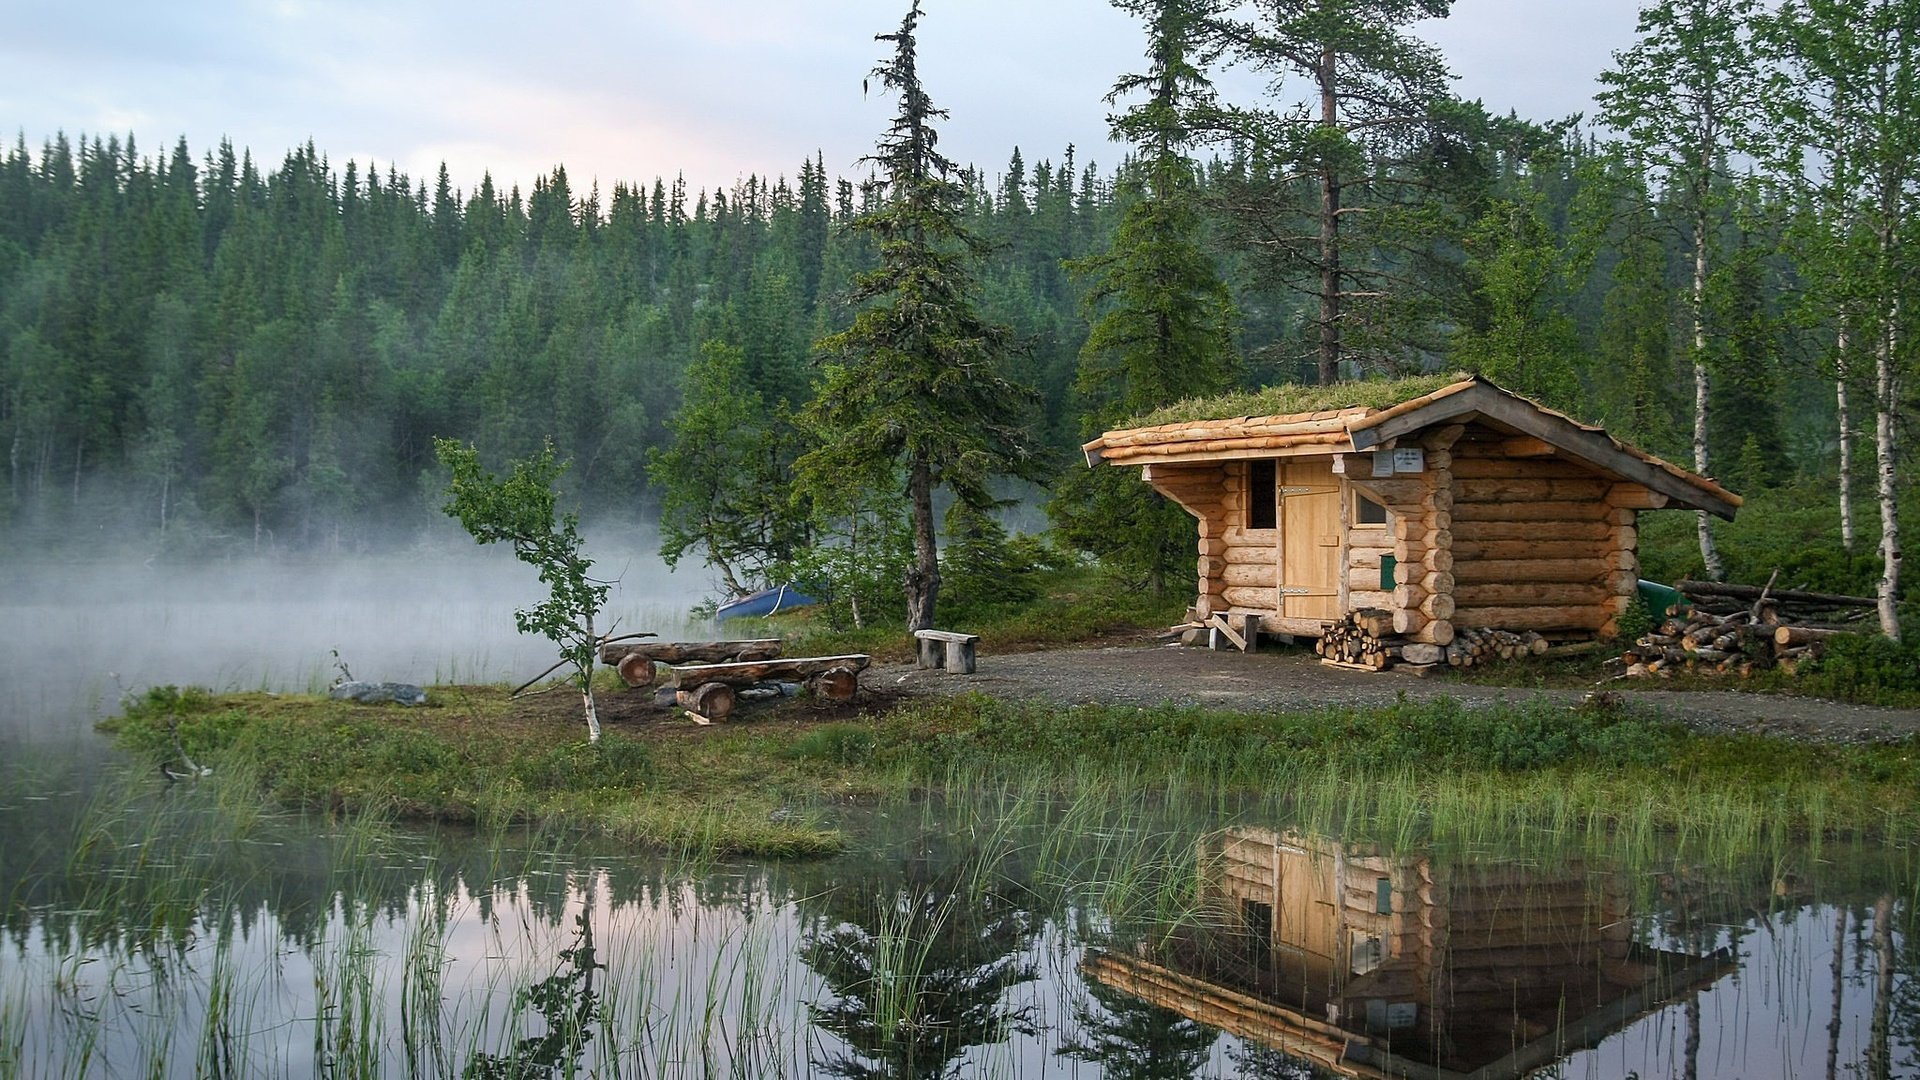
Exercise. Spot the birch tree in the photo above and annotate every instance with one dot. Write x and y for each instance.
(1847, 107)
(1684, 97)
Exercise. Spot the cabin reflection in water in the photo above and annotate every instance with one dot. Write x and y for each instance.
(1399, 965)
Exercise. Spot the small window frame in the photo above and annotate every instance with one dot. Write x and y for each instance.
(1263, 495)
(1360, 500)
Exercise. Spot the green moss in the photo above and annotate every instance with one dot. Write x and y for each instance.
(1288, 398)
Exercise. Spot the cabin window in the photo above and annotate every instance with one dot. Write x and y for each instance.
(1259, 921)
(1383, 896)
(1368, 512)
(1261, 477)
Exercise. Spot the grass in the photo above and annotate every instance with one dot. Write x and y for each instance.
(478, 757)
(1288, 398)
(1414, 771)
(1077, 605)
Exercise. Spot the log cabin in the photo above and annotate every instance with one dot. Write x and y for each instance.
(1372, 963)
(1445, 502)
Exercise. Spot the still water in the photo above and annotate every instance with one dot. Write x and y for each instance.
(179, 930)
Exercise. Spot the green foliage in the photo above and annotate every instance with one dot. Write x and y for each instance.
(981, 565)
(1288, 398)
(912, 391)
(1529, 344)
(1871, 670)
(833, 744)
(722, 481)
(521, 511)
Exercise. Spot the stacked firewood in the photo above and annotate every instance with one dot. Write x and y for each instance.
(1741, 643)
(1365, 638)
(1473, 647)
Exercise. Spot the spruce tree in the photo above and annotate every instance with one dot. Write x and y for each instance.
(911, 393)
(1162, 316)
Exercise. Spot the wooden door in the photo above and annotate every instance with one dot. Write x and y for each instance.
(1308, 920)
(1309, 540)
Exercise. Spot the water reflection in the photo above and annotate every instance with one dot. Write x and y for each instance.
(948, 944)
(917, 959)
(1334, 959)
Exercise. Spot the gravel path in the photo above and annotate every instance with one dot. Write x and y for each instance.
(1144, 674)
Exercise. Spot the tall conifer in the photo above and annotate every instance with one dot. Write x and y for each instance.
(912, 392)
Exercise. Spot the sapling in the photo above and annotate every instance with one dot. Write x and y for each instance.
(521, 510)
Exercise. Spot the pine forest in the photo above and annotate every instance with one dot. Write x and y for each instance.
(206, 348)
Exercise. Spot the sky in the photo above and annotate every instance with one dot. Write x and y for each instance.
(631, 90)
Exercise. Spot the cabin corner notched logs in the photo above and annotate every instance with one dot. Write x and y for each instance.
(1466, 507)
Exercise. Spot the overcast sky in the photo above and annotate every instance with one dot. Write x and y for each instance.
(631, 89)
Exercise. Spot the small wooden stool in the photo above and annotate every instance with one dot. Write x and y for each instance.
(946, 649)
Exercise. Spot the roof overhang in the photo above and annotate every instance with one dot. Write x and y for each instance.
(1358, 429)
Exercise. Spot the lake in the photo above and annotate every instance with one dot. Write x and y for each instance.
(181, 929)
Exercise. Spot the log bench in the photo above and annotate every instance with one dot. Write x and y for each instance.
(635, 662)
(946, 649)
(706, 691)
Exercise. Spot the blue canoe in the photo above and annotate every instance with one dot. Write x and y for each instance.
(766, 602)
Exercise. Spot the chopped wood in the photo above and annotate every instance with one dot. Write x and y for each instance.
(1786, 596)
(1737, 642)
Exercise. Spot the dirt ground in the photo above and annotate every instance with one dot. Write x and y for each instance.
(1149, 674)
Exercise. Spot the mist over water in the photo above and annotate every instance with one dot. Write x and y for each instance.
(77, 635)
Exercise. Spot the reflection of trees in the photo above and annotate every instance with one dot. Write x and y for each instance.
(919, 964)
(566, 1002)
(1131, 1039)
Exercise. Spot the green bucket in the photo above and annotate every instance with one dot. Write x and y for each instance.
(1659, 598)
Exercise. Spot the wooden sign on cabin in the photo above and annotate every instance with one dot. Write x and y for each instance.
(1491, 510)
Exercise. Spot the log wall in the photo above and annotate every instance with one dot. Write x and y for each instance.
(1206, 492)
(1480, 538)
(1539, 542)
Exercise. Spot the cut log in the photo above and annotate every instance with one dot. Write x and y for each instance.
(708, 701)
(797, 669)
(1419, 653)
(1751, 593)
(1522, 571)
(636, 669)
(1529, 595)
(1788, 636)
(836, 684)
(694, 652)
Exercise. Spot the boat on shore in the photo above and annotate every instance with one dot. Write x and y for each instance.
(765, 602)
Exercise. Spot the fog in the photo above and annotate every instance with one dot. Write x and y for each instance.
(78, 635)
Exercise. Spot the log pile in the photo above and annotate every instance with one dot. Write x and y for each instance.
(635, 663)
(1738, 644)
(1792, 606)
(1470, 648)
(1365, 639)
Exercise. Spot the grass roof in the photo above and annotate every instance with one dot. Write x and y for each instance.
(1299, 398)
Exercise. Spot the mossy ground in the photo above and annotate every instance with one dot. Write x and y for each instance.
(768, 781)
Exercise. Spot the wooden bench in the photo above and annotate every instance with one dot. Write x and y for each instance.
(635, 662)
(1238, 628)
(946, 649)
(706, 691)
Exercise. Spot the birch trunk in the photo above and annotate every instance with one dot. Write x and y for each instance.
(1709, 553)
(1886, 402)
(1844, 408)
(1880, 1029)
